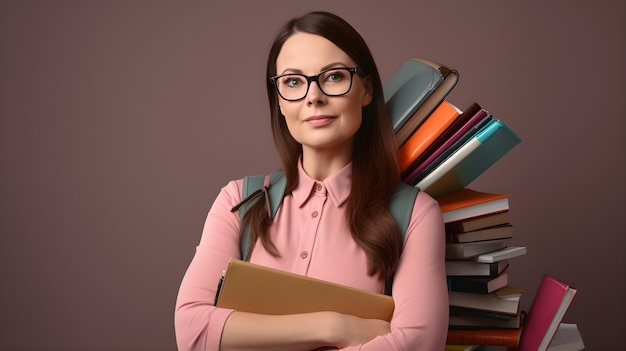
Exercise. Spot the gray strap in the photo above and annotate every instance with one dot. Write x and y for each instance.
(401, 205)
(276, 192)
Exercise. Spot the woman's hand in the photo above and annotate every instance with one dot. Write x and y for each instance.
(350, 330)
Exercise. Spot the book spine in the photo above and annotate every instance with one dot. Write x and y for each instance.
(467, 285)
(479, 313)
(477, 269)
(494, 269)
(495, 337)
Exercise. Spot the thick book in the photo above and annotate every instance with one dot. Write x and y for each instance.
(478, 285)
(567, 338)
(254, 288)
(427, 133)
(497, 337)
(491, 233)
(429, 103)
(502, 254)
(468, 203)
(464, 127)
(546, 312)
(483, 302)
(471, 160)
(407, 89)
(466, 319)
(476, 223)
(473, 268)
(462, 251)
(499, 316)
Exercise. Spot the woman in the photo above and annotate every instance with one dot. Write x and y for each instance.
(338, 153)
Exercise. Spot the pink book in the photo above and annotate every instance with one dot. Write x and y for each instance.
(546, 312)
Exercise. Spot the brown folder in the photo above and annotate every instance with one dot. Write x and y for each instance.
(254, 288)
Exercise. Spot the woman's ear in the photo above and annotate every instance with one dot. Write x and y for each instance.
(367, 92)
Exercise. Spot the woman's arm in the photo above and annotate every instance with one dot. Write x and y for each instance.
(307, 331)
(249, 331)
(420, 319)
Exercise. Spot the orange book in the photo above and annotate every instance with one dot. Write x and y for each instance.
(467, 203)
(496, 337)
(433, 127)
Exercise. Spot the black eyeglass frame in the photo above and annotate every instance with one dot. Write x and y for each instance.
(315, 78)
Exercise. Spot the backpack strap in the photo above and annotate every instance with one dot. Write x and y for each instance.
(253, 186)
(400, 206)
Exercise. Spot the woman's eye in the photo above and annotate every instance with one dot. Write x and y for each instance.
(292, 82)
(335, 76)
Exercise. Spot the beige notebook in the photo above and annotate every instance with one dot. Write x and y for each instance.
(254, 288)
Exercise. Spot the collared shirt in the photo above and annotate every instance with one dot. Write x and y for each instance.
(313, 238)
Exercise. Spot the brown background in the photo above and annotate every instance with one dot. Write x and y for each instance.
(120, 121)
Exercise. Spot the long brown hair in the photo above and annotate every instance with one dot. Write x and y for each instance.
(375, 166)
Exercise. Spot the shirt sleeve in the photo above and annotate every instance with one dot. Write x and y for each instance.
(199, 324)
(420, 293)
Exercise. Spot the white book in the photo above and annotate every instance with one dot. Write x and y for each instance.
(461, 251)
(503, 254)
(446, 167)
(483, 302)
(476, 210)
(567, 338)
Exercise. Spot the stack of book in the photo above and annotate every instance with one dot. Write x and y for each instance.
(455, 149)
(484, 307)
(442, 149)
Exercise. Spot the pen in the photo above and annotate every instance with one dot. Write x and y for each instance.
(219, 287)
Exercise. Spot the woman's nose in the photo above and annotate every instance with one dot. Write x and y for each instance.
(315, 95)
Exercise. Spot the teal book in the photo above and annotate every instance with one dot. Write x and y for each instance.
(473, 158)
(407, 89)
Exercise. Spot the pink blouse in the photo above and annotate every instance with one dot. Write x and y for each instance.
(314, 240)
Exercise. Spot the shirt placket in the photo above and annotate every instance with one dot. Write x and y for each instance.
(311, 226)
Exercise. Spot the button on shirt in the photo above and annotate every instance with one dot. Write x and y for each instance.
(313, 238)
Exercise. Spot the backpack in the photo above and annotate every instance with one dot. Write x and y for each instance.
(400, 205)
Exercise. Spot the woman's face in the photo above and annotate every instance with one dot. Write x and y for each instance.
(319, 121)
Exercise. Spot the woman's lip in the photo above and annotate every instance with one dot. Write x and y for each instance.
(319, 120)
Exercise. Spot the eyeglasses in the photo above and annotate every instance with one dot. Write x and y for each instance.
(332, 82)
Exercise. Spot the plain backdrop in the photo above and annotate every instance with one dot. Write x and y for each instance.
(121, 120)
